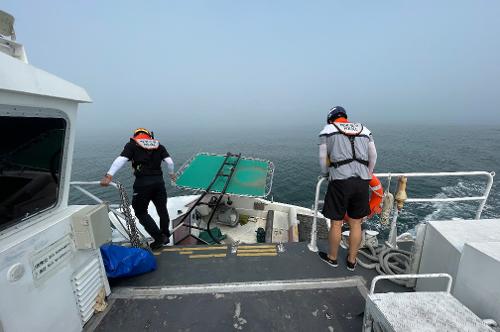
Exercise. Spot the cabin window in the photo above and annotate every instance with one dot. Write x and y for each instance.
(31, 151)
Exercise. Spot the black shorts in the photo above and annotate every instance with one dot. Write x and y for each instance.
(349, 196)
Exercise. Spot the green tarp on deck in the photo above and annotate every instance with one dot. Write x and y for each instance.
(251, 178)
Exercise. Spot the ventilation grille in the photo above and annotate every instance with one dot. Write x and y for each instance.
(86, 284)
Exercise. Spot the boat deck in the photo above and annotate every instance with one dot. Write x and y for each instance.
(256, 289)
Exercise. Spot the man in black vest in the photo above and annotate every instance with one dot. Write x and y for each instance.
(147, 154)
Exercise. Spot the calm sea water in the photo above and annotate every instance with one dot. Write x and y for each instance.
(294, 154)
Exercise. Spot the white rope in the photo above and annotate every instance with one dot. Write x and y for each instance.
(387, 204)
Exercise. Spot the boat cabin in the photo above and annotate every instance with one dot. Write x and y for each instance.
(43, 270)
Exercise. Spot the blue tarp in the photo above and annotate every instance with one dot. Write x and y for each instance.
(126, 262)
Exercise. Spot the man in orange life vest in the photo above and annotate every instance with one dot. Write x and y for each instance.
(347, 156)
(147, 154)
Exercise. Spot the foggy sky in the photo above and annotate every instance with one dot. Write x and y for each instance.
(195, 64)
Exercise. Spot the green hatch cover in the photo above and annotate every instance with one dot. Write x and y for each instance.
(252, 177)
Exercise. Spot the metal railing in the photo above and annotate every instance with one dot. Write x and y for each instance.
(413, 276)
(77, 185)
(392, 236)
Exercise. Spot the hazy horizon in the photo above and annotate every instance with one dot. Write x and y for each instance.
(224, 64)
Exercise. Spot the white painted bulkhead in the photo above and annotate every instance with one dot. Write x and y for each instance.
(38, 258)
(33, 301)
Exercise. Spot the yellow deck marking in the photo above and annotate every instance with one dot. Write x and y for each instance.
(208, 256)
(257, 254)
(196, 248)
(156, 253)
(185, 252)
(256, 250)
(257, 247)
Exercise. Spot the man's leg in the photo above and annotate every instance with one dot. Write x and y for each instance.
(160, 201)
(358, 207)
(140, 202)
(334, 237)
(354, 239)
(334, 209)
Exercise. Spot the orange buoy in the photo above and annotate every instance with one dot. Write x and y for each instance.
(377, 193)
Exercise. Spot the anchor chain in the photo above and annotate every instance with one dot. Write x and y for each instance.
(132, 231)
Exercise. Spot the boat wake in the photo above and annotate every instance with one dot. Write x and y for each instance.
(458, 210)
(414, 213)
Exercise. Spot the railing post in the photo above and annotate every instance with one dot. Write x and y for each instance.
(486, 194)
(313, 246)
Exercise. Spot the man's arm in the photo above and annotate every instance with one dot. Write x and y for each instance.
(323, 159)
(372, 156)
(165, 156)
(170, 168)
(115, 166)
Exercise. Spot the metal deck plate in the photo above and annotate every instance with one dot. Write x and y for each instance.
(219, 265)
(287, 310)
(422, 311)
(283, 291)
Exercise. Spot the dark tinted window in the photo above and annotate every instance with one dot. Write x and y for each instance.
(31, 152)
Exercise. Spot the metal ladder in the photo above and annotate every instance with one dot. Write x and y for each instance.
(220, 173)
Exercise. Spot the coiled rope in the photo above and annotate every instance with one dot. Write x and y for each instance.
(386, 260)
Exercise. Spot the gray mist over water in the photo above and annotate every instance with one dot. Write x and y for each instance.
(211, 64)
